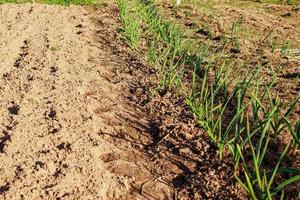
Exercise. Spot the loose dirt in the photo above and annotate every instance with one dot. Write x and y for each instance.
(61, 99)
(80, 119)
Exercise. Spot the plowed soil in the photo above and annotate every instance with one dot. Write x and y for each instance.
(79, 118)
(60, 91)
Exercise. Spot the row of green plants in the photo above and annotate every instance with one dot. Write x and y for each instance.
(59, 2)
(285, 2)
(242, 116)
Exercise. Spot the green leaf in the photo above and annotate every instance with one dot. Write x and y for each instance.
(285, 183)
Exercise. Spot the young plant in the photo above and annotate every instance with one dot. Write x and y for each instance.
(131, 25)
(259, 181)
(295, 132)
(234, 115)
(235, 35)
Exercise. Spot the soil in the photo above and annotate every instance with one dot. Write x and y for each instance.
(80, 120)
(60, 92)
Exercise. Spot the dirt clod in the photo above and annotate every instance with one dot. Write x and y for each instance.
(14, 109)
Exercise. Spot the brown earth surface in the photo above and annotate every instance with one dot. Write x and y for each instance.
(59, 91)
(80, 119)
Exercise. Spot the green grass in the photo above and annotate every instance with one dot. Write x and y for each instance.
(131, 25)
(58, 2)
(245, 2)
(221, 105)
(287, 2)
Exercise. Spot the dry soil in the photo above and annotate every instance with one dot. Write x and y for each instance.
(60, 94)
